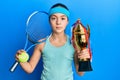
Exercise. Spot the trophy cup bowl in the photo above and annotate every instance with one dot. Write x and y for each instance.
(80, 38)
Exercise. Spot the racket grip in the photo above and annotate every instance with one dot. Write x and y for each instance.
(14, 66)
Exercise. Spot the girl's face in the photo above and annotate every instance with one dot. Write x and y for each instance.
(58, 22)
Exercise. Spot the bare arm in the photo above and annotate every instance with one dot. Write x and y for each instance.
(31, 64)
(76, 64)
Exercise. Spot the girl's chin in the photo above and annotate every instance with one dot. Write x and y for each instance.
(59, 31)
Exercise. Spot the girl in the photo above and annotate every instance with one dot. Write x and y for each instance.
(57, 52)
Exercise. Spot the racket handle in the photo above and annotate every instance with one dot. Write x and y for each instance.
(14, 66)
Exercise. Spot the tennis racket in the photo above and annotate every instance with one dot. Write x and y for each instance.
(37, 30)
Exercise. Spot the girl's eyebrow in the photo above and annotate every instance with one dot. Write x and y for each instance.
(53, 15)
(63, 16)
(60, 16)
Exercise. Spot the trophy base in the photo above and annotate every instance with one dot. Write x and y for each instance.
(85, 66)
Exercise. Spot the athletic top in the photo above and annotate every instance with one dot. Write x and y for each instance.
(57, 61)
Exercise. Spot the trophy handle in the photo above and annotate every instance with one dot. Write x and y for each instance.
(88, 30)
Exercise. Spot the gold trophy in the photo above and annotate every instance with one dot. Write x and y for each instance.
(80, 39)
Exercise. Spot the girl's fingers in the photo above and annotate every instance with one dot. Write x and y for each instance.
(82, 56)
(78, 51)
(17, 57)
(18, 53)
(84, 51)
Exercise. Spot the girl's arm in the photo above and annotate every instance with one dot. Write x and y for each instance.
(76, 63)
(31, 64)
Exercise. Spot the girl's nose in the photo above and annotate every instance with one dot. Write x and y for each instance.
(58, 22)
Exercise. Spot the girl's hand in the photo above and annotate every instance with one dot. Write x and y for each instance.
(18, 53)
(83, 54)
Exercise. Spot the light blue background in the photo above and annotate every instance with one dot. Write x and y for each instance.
(102, 15)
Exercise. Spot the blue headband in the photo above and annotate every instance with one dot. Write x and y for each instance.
(59, 10)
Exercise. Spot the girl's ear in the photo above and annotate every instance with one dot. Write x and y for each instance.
(67, 22)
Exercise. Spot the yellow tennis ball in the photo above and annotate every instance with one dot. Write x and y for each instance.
(23, 57)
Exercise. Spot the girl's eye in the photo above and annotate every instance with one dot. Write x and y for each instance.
(53, 18)
(63, 18)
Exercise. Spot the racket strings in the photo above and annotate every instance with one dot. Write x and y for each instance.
(36, 27)
(34, 35)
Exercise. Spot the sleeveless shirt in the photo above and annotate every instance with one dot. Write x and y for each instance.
(57, 61)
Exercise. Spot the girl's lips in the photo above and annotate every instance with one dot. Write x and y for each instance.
(58, 27)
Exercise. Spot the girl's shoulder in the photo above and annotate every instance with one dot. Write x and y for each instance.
(40, 46)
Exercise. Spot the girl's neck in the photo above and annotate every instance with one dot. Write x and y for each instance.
(58, 39)
(60, 36)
